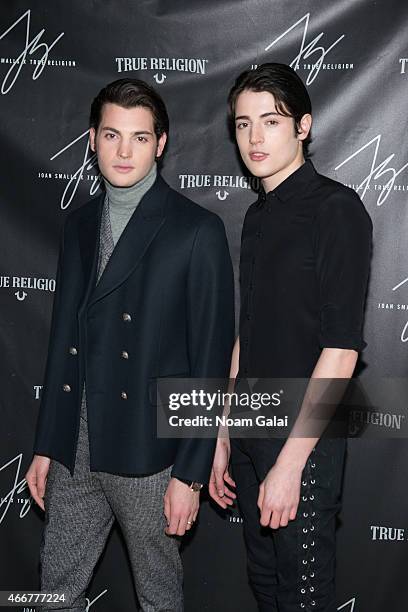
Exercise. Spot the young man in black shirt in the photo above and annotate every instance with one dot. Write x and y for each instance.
(305, 254)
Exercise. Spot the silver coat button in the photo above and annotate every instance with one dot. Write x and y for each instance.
(73, 350)
(66, 388)
(123, 395)
(125, 355)
(126, 317)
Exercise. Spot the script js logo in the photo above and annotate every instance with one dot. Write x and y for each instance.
(348, 606)
(34, 52)
(311, 54)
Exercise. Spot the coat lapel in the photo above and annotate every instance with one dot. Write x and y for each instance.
(138, 234)
(88, 231)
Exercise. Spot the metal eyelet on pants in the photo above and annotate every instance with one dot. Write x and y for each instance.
(308, 514)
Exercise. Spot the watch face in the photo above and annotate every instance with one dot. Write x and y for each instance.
(196, 486)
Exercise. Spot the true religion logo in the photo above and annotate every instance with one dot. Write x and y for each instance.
(21, 283)
(221, 183)
(162, 65)
(404, 65)
(387, 534)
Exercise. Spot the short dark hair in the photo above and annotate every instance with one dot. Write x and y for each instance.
(129, 93)
(288, 89)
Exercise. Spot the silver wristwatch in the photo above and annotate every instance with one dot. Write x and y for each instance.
(196, 486)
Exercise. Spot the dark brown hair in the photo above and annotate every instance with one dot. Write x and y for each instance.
(129, 93)
(289, 91)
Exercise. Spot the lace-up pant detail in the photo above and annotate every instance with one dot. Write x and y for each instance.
(307, 510)
(291, 569)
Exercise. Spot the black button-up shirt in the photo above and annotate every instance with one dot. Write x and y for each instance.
(305, 256)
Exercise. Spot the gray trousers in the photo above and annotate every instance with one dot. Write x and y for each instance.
(79, 514)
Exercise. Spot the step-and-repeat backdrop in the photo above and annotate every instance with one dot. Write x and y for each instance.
(54, 58)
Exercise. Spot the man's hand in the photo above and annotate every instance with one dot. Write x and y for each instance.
(221, 494)
(181, 506)
(279, 495)
(36, 478)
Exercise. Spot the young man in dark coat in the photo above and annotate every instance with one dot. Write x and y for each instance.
(144, 290)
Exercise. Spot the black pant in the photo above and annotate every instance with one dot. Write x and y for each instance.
(292, 568)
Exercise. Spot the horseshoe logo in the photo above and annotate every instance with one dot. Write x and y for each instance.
(20, 297)
(224, 196)
(353, 430)
(160, 79)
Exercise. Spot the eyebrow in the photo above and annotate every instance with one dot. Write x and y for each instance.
(138, 133)
(261, 116)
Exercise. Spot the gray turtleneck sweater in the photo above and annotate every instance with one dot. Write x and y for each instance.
(124, 200)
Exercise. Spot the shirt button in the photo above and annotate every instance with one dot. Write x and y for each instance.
(125, 355)
(258, 234)
(248, 315)
(73, 350)
(123, 395)
(126, 317)
(66, 388)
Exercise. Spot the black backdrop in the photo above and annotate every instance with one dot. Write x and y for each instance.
(354, 57)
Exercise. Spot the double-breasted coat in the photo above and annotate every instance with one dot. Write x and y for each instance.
(162, 307)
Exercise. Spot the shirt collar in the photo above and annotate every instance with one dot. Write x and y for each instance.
(294, 185)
